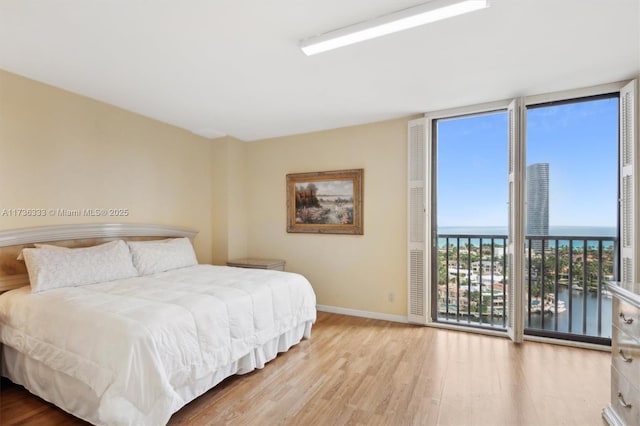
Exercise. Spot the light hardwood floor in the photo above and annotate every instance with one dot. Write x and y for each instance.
(367, 372)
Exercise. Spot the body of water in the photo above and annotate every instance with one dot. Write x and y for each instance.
(564, 231)
(579, 301)
(560, 322)
(569, 231)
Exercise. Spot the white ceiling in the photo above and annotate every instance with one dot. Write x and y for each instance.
(233, 67)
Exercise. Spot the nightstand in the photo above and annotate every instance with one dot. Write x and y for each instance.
(253, 263)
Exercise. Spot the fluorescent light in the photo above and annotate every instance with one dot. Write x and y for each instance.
(403, 20)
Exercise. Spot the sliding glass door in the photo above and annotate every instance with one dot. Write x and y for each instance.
(520, 211)
(469, 199)
(571, 216)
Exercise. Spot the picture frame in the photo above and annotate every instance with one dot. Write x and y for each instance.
(325, 202)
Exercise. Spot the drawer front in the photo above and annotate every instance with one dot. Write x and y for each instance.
(625, 355)
(626, 317)
(625, 399)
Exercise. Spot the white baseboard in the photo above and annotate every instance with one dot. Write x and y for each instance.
(363, 314)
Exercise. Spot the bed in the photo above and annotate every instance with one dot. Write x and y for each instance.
(136, 348)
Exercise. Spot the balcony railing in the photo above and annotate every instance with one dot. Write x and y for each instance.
(564, 276)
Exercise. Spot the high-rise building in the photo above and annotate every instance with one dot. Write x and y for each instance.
(537, 219)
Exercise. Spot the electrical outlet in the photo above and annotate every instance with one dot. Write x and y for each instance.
(392, 296)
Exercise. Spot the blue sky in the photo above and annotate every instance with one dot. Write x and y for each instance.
(578, 140)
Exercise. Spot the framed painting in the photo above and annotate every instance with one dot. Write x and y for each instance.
(325, 202)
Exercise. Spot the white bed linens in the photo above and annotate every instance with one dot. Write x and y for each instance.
(135, 341)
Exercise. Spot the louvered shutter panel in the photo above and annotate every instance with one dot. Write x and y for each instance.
(417, 271)
(628, 184)
(515, 246)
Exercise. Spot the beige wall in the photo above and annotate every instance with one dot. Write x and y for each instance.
(349, 271)
(229, 199)
(63, 151)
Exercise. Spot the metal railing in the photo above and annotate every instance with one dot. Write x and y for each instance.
(471, 284)
(564, 275)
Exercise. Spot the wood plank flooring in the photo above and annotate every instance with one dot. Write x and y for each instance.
(359, 371)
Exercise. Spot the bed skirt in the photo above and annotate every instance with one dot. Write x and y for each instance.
(77, 398)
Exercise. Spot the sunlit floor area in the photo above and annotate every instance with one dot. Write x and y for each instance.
(368, 372)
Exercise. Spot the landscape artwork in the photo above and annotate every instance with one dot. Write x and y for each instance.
(325, 202)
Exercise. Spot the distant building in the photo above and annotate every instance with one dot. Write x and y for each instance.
(537, 218)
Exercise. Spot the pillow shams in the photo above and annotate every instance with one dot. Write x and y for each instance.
(51, 268)
(150, 257)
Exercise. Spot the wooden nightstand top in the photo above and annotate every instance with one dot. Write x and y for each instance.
(257, 263)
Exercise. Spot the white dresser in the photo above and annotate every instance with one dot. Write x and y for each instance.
(624, 408)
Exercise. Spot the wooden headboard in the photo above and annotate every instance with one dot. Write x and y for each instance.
(13, 272)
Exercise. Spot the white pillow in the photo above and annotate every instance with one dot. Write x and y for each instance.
(51, 268)
(150, 257)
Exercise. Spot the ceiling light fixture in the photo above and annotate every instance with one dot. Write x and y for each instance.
(398, 21)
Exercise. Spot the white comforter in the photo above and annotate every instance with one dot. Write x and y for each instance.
(134, 342)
